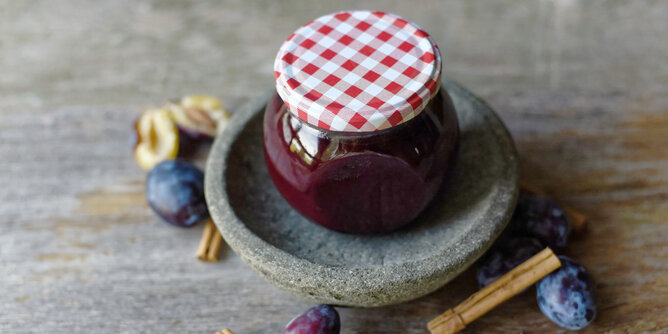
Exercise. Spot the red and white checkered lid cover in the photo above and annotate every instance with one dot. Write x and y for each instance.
(357, 71)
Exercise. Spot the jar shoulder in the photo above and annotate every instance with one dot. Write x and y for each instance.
(412, 140)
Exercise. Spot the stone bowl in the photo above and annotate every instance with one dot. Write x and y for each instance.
(324, 266)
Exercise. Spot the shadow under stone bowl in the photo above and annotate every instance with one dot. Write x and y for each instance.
(324, 266)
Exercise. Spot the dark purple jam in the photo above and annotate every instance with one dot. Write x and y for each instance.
(360, 182)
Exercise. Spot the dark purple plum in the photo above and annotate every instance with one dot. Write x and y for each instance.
(508, 254)
(187, 144)
(321, 319)
(193, 135)
(568, 295)
(175, 192)
(542, 218)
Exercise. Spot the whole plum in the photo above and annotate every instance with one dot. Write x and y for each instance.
(508, 254)
(568, 295)
(321, 319)
(542, 218)
(175, 192)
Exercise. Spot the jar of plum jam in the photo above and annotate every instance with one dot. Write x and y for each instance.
(359, 134)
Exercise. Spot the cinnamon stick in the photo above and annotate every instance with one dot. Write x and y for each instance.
(507, 286)
(203, 247)
(529, 188)
(209, 245)
(578, 219)
(214, 247)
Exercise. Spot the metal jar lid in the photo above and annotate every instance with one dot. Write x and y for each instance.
(357, 71)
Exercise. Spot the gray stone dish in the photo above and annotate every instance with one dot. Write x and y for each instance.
(323, 266)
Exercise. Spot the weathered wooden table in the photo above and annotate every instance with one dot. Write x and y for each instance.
(582, 85)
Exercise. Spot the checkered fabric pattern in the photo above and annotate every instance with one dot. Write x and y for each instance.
(357, 71)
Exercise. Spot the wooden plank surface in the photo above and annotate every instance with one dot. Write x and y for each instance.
(582, 85)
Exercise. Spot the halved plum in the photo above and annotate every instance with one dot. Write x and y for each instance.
(199, 117)
(156, 138)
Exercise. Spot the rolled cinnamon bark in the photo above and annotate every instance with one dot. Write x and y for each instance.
(504, 288)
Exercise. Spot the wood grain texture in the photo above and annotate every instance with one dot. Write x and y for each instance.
(582, 85)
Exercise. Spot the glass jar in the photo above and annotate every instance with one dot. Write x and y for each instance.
(353, 176)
